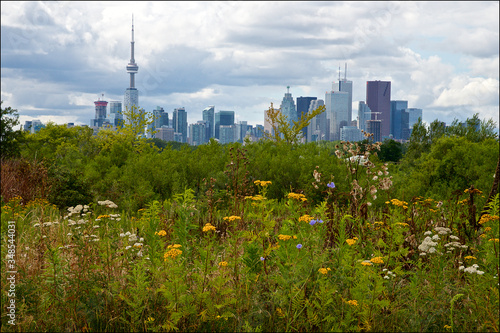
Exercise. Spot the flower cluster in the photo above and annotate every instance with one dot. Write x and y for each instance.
(472, 269)
(377, 260)
(284, 237)
(305, 218)
(366, 263)
(107, 203)
(324, 271)
(297, 196)
(313, 222)
(161, 233)
(208, 227)
(388, 273)
(257, 197)
(173, 251)
(487, 218)
(352, 302)
(262, 183)
(232, 218)
(351, 241)
(223, 264)
(398, 203)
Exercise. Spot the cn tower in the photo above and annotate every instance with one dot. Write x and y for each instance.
(132, 94)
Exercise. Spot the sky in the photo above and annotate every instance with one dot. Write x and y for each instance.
(57, 58)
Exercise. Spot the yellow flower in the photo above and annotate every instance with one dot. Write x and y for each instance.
(223, 263)
(297, 196)
(493, 240)
(208, 227)
(175, 246)
(324, 270)
(402, 224)
(377, 260)
(172, 253)
(284, 237)
(469, 257)
(280, 312)
(487, 218)
(352, 302)
(102, 216)
(350, 241)
(262, 183)
(305, 218)
(366, 263)
(161, 233)
(447, 327)
(232, 218)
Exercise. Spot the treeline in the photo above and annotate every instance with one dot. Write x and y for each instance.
(74, 166)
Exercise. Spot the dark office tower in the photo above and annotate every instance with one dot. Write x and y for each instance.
(160, 119)
(303, 104)
(179, 120)
(209, 117)
(373, 127)
(399, 122)
(378, 99)
(223, 118)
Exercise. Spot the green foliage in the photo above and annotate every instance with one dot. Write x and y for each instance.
(391, 151)
(10, 139)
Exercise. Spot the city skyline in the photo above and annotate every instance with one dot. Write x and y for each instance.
(58, 58)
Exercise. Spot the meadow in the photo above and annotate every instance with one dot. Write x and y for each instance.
(239, 260)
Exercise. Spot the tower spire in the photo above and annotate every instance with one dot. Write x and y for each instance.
(345, 72)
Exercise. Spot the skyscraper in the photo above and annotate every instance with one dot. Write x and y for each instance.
(198, 133)
(337, 111)
(100, 113)
(319, 127)
(345, 86)
(115, 115)
(209, 116)
(223, 118)
(364, 114)
(399, 119)
(132, 94)
(303, 104)
(288, 107)
(414, 115)
(378, 99)
(179, 120)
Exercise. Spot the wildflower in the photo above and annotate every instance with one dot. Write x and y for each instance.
(262, 258)
(313, 222)
(377, 260)
(447, 327)
(172, 253)
(208, 227)
(366, 263)
(402, 224)
(297, 196)
(426, 244)
(435, 237)
(350, 241)
(107, 203)
(305, 218)
(262, 183)
(232, 218)
(324, 271)
(299, 246)
(472, 269)
(103, 217)
(284, 237)
(352, 302)
(223, 263)
(469, 257)
(161, 233)
(493, 240)
(175, 246)
(138, 245)
(427, 233)
(442, 231)
(280, 312)
(331, 185)
(487, 217)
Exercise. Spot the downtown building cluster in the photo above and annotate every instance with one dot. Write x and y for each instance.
(377, 115)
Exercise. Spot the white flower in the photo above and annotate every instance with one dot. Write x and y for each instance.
(442, 231)
(423, 254)
(435, 237)
(461, 268)
(128, 247)
(96, 226)
(132, 238)
(432, 250)
(69, 234)
(427, 233)
(36, 225)
(122, 235)
(454, 237)
(386, 277)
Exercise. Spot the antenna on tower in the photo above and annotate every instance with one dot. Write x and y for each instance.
(345, 72)
(339, 72)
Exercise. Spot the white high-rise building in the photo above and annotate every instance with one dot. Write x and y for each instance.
(337, 112)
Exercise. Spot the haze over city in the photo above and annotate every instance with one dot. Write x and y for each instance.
(57, 58)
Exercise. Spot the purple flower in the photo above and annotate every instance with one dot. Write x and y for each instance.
(299, 246)
(312, 222)
(331, 185)
(320, 221)
(262, 258)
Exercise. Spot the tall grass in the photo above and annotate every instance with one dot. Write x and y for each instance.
(254, 264)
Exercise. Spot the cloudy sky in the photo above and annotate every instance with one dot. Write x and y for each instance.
(57, 58)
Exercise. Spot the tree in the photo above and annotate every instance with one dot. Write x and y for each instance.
(282, 132)
(9, 138)
(390, 151)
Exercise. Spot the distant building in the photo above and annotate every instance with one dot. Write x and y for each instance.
(288, 108)
(303, 104)
(378, 99)
(318, 127)
(100, 114)
(242, 129)
(399, 120)
(209, 117)
(374, 127)
(165, 133)
(198, 132)
(33, 126)
(364, 114)
(131, 93)
(337, 112)
(351, 133)
(414, 114)
(344, 85)
(226, 133)
(223, 118)
(179, 123)
(115, 114)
